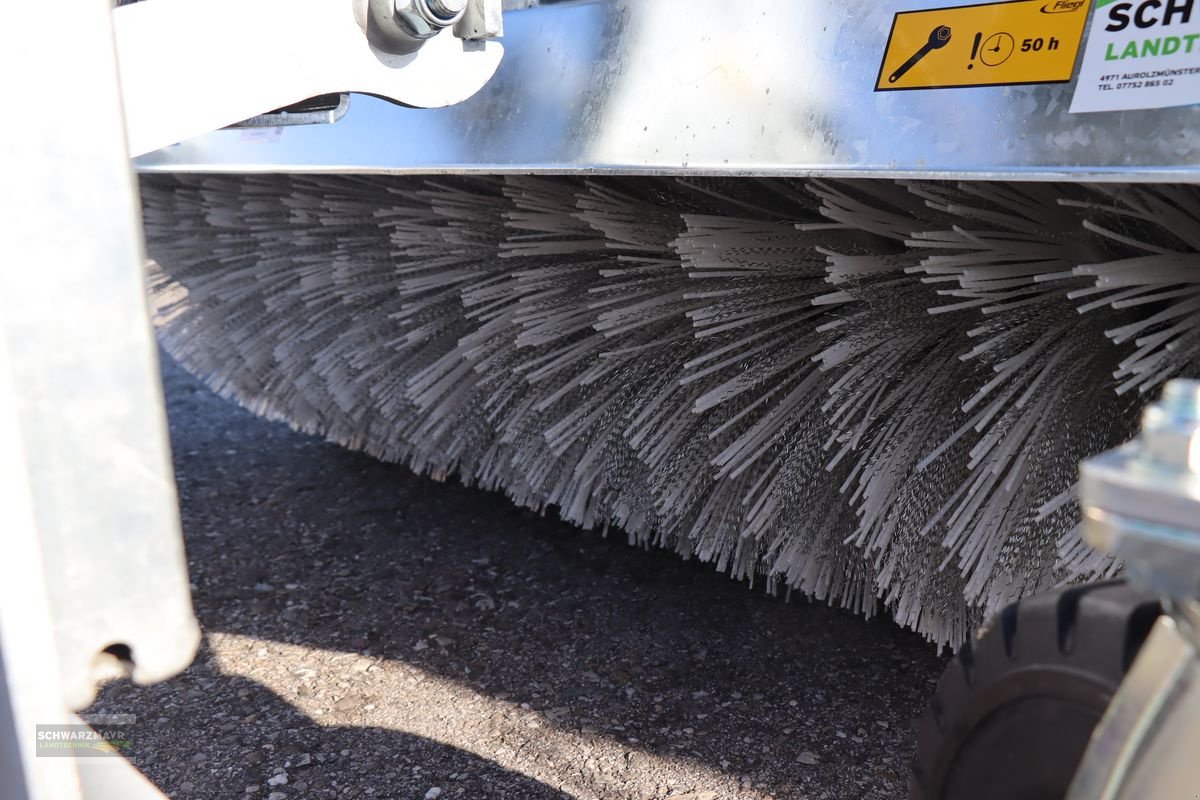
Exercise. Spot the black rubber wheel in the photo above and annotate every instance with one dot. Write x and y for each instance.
(1013, 712)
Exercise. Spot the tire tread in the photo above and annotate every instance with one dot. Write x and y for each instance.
(1094, 630)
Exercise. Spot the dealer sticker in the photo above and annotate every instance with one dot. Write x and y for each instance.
(989, 44)
(1140, 54)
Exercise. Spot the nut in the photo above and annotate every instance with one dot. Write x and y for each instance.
(403, 26)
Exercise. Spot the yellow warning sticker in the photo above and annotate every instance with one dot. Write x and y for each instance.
(992, 44)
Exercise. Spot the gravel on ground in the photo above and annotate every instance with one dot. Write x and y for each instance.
(371, 633)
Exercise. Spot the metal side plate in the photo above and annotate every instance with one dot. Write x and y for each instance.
(87, 414)
(758, 87)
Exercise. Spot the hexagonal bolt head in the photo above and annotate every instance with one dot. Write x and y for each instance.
(402, 26)
(1171, 427)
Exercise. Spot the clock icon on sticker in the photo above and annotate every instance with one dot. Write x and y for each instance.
(997, 49)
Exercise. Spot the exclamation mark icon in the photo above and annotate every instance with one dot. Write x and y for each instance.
(975, 49)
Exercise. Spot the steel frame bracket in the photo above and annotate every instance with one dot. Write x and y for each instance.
(189, 67)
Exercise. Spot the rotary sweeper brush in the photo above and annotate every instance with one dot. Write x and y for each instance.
(856, 390)
(875, 392)
(670, 274)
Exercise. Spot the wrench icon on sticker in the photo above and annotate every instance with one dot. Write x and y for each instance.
(939, 37)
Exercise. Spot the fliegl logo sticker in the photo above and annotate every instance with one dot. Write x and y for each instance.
(1063, 6)
(1140, 54)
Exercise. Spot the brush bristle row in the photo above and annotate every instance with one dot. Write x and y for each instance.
(866, 391)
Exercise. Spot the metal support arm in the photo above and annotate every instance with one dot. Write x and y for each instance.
(192, 66)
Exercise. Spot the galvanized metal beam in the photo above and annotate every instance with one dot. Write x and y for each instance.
(757, 87)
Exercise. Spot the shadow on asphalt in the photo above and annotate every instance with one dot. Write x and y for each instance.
(241, 734)
(600, 637)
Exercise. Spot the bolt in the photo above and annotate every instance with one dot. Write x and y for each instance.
(447, 10)
(1171, 427)
(425, 18)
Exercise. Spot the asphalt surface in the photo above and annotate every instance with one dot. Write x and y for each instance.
(370, 633)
